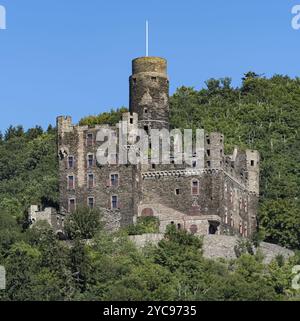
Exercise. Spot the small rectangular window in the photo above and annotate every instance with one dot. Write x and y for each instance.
(195, 187)
(194, 164)
(70, 162)
(114, 202)
(90, 180)
(177, 191)
(72, 205)
(252, 162)
(90, 160)
(208, 163)
(208, 141)
(90, 139)
(71, 182)
(131, 120)
(208, 152)
(114, 180)
(91, 202)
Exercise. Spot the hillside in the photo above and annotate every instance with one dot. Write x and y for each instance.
(263, 114)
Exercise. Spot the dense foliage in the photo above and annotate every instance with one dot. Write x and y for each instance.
(110, 267)
(263, 114)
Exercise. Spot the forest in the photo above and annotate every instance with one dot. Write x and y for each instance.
(262, 113)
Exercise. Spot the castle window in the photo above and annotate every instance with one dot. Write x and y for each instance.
(90, 160)
(221, 152)
(208, 163)
(212, 229)
(226, 218)
(114, 202)
(114, 180)
(71, 182)
(131, 120)
(153, 79)
(194, 164)
(241, 228)
(72, 205)
(89, 139)
(146, 129)
(208, 152)
(91, 202)
(246, 230)
(145, 110)
(177, 191)
(179, 226)
(147, 212)
(208, 141)
(252, 162)
(71, 162)
(195, 187)
(90, 180)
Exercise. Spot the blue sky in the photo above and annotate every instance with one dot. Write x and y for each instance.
(71, 57)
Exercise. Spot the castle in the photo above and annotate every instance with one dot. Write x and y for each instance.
(218, 197)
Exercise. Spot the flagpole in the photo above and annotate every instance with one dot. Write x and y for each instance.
(147, 38)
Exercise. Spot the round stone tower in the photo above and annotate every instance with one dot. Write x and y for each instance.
(149, 92)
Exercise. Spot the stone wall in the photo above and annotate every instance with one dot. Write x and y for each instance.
(219, 246)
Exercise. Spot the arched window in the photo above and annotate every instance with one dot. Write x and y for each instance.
(147, 212)
(226, 217)
(195, 187)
